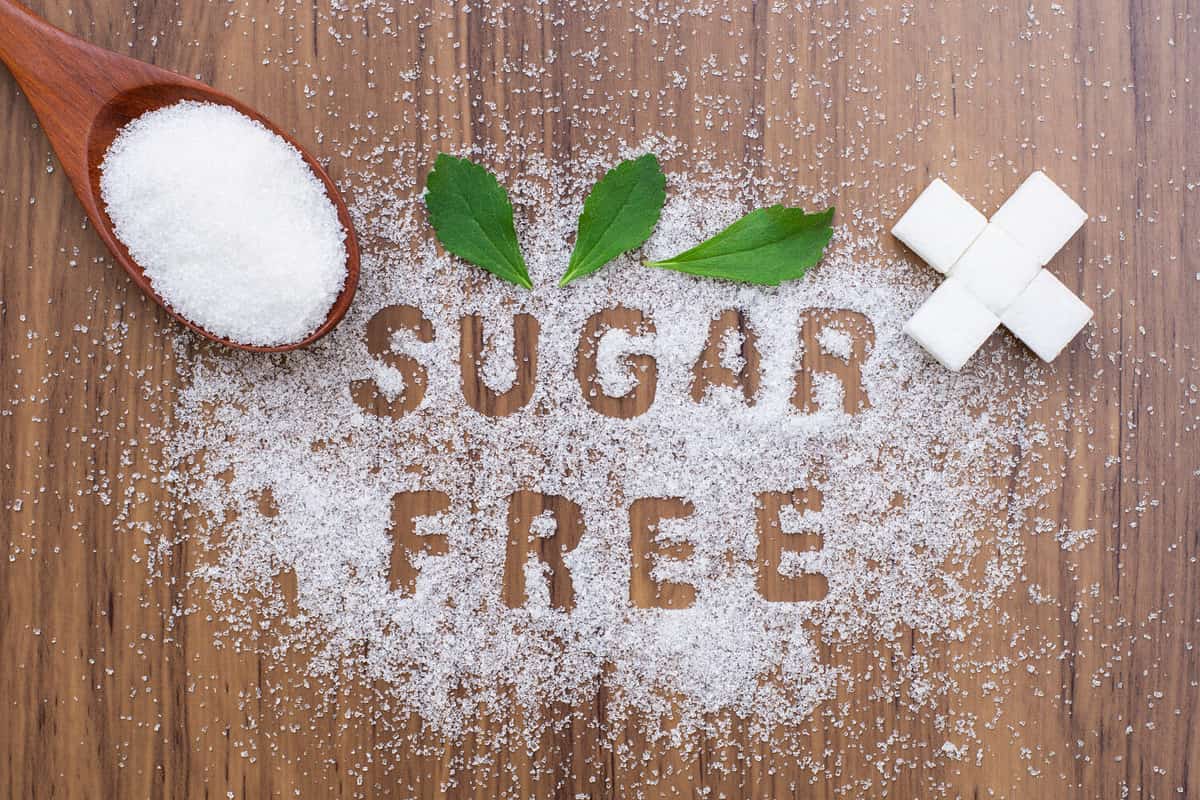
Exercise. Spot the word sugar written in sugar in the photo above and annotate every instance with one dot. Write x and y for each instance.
(545, 527)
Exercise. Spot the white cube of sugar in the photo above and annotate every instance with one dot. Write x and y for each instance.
(1041, 216)
(1046, 316)
(952, 324)
(939, 226)
(996, 268)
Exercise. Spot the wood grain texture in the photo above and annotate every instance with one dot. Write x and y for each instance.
(104, 692)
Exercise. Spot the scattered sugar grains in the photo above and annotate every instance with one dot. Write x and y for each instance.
(228, 221)
(920, 531)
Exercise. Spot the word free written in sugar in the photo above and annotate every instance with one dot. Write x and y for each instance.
(546, 526)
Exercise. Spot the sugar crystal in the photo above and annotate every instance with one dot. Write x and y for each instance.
(231, 226)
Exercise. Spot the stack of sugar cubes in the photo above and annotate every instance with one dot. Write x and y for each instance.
(995, 270)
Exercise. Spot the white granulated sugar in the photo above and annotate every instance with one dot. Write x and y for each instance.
(798, 520)
(615, 374)
(389, 380)
(432, 524)
(544, 525)
(1075, 540)
(499, 369)
(828, 391)
(231, 226)
(836, 342)
(919, 529)
(732, 342)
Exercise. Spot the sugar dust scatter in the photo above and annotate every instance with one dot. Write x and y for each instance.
(836, 342)
(918, 527)
(910, 674)
(732, 342)
(612, 370)
(227, 220)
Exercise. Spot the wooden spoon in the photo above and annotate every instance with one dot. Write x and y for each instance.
(83, 94)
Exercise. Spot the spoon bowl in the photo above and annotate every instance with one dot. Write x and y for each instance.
(83, 95)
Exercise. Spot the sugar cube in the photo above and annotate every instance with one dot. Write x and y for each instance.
(1040, 216)
(1046, 316)
(939, 226)
(952, 324)
(996, 268)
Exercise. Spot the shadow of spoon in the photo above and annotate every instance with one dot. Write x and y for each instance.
(83, 95)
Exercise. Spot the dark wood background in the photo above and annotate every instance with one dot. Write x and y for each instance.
(105, 693)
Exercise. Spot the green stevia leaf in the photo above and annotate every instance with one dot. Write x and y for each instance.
(473, 218)
(619, 214)
(767, 246)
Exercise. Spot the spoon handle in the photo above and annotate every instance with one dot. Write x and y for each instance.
(20, 29)
(70, 83)
(67, 80)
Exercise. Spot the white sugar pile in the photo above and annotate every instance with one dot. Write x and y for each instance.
(921, 533)
(229, 223)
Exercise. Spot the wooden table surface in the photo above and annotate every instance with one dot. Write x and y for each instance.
(105, 693)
